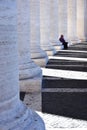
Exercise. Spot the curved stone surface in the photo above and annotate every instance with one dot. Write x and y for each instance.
(54, 36)
(62, 17)
(28, 69)
(37, 54)
(72, 27)
(80, 17)
(14, 115)
(45, 27)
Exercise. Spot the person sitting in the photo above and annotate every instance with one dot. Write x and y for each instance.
(62, 40)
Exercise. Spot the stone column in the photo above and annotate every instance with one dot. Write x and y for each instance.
(30, 74)
(54, 36)
(85, 24)
(72, 27)
(13, 114)
(62, 18)
(45, 27)
(37, 54)
(80, 19)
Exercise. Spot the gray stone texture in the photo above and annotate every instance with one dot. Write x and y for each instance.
(14, 115)
(37, 54)
(80, 19)
(72, 26)
(45, 27)
(54, 36)
(62, 18)
(30, 73)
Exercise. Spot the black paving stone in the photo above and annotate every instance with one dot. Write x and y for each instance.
(72, 54)
(76, 48)
(65, 104)
(68, 62)
(67, 65)
(52, 82)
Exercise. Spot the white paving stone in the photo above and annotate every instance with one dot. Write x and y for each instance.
(68, 58)
(68, 74)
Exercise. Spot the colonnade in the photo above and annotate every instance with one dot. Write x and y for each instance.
(29, 32)
(42, 22)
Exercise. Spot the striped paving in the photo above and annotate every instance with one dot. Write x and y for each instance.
(66, 94)
(64, 86)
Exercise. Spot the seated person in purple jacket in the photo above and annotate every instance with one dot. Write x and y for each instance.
(62, 40)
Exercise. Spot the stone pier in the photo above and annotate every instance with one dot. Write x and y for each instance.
(37, 54)
(45, 27)
(30, 74)
(14, 115)
(54, 36)
(80, 17)
(72, 27)
(62, 18)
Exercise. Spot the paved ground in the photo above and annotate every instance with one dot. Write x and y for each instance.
(64, 90)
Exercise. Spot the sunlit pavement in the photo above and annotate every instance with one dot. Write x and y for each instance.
(52, 122)
(64, 90)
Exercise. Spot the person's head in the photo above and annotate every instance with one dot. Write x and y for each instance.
(61, 35)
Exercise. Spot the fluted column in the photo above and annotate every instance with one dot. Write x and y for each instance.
(45, 27)
(80, 19)
(62, 18)
(13, 114)
(72, 27)
(37, 54)
(54, 24)
(29, 74)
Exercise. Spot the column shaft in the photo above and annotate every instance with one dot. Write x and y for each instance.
(85, 24)
(62, 18)
(54, 24)
(72, 28)
(45, 27)
(13, 114)
(80, 19)
(37, 54)
(30, 74)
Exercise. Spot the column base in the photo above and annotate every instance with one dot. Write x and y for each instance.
(58, 47)
(23, 119)
(74, 40)
(41, 61)
(39, 57)
(51, 52)
(31, 85)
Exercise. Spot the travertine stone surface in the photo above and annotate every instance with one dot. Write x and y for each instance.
(80, 19)
(29, 71)
(37, 54)
(54, 36)
(62, 18)
(45, 27)
(72, 27)
(14, 115)
(85, 22)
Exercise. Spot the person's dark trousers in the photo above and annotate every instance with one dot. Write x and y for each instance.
(65, 45)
